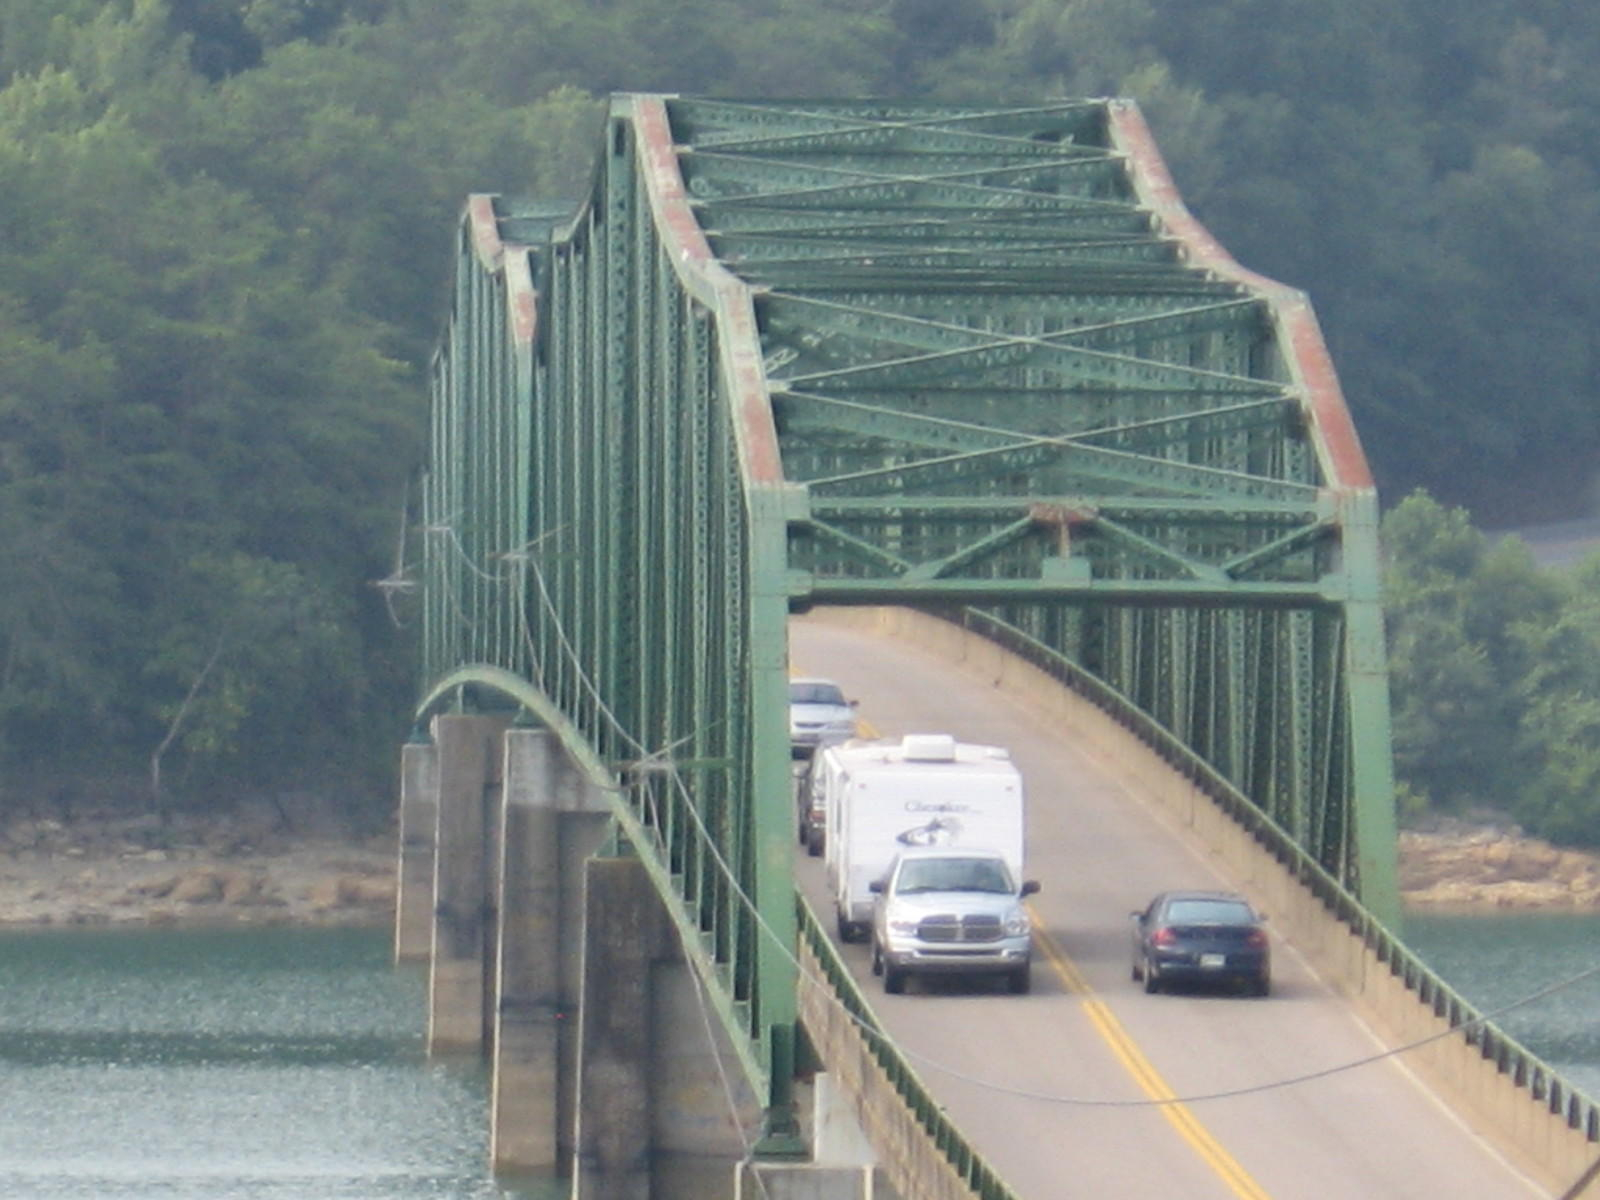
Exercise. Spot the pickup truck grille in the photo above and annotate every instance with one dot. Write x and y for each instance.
(947, 927)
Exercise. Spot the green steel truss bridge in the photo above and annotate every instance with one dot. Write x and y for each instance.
(976, 361)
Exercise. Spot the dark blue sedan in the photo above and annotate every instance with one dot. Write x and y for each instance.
(1201, 937)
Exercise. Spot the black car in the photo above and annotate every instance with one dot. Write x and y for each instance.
(1201, 937)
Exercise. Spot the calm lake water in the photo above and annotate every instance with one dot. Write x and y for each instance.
(224, 1065)
(1496, 961)
(289, 1065)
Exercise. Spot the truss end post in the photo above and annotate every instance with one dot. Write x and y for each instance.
(780, 1136)
(780, 1127)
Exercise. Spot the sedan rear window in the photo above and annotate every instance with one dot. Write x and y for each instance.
(1210, 912)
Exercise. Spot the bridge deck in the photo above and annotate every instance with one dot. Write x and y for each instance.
(1036, 1082)
(979, 362)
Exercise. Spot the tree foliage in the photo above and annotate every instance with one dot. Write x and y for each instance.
(1494, 675)
(224, 226)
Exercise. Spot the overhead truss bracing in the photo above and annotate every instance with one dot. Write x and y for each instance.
(974, 360)
(1013, 374)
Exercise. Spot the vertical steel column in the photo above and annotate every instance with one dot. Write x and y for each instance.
(1372, 760)
(774, 994)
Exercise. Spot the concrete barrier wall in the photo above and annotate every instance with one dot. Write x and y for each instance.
(908, 1157)
(1491, 1102)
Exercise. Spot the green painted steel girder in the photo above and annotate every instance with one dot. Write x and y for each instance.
(905, 419)
(974, 359)
(943, 331)
(915, 586)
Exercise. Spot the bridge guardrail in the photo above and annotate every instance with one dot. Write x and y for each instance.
(972, 1170)
(1525, 1069)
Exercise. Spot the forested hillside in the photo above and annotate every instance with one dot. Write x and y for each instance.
(224, 226)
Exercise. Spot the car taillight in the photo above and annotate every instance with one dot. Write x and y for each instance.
(1256, 939)
(1165, 936)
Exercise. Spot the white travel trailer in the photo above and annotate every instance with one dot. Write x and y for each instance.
(924, 790)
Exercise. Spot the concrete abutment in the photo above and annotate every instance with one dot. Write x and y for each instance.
(563, 970)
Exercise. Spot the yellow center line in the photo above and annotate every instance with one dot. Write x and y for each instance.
(1145, 1074)
(1126, 1050)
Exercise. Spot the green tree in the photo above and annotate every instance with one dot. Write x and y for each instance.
(180, 386)
(224, 230)
(58, 606)
(1558, 733)
(258, 638)
(1452, 669)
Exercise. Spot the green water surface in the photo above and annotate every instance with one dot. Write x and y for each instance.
(224, 1065)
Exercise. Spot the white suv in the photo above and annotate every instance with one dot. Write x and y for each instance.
(951, 910)
(819, 715)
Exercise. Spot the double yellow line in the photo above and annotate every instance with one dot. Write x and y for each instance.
(1145, 1075)
(1127, 1051)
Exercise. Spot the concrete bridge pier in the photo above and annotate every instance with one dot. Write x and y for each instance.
(843, 1165)
(625, 932)
(552, 821)
(664, 1110)
(565, 971)
(419, 816)
(464, 877)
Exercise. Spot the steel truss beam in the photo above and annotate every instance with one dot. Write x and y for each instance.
(874, 352)
(1012, 373)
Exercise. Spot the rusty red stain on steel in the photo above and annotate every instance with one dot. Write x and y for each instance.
(686, 240)
(1329, 413)
(1062, 515)
(521, 298)
(1328, 407)
(485, 231)
(686, 247)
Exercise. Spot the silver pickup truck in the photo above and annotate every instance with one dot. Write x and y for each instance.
(951, 910)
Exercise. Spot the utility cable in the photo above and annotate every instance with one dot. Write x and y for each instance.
(1086, 1102)
(651, 757)
(872, 1032)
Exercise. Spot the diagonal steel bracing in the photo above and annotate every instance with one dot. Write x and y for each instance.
(972, 359)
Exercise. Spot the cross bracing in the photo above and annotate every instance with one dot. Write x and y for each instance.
(974, 360)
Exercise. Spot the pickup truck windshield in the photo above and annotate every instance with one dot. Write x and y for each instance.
(954, 875)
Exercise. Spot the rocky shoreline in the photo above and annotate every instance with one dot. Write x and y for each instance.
(188, 871)
(1487, 868)
(243, 872)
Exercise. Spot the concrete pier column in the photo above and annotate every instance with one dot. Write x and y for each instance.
(458, 977)
(704, 1115)
(413, 904)
(842, 1162)
(552, 820)
(803, 1181)
(837, 1137)
(626, 929)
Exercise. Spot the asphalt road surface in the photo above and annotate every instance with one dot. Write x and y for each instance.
(1060, 1089)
